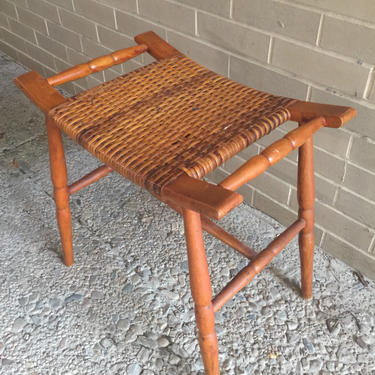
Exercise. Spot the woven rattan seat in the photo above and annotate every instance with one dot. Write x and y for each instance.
(167, 118)
(165, 126)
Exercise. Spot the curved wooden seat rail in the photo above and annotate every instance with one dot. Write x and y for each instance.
(253, 115)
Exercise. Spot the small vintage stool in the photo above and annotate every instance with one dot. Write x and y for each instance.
(165, 126)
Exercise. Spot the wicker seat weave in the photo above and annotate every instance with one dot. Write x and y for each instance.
(168, 118)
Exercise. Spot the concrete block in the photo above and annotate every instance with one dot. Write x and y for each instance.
(22, 30)
(12, 39)
(133, 25)
(265, 183)
(20, 3)
(75, 57)
(356, 207)
(272, 137)
(328, 165)
(61, 65)
(363, 122)
(31, 19)
(44, 9)
(220, 7)
(64, 36)
(363, 9)
(67, 4)
(50, 45)
(96, 12)
(272, 187)
(110, 74)
(114, 40)
(342, 226)
(249, 152)
(233, 37)
(78, 24)
(334, 141)
(128, 5)
(348, 38)
(209, 57)
(319, 67)
(265, 79)
(8, 49)
(324, 192)
(4, 21)
(92, 81)
(371, 96)
(279, 212)
(360, 181)
(360, 260)
(363, 152)
(40, 55)
(93, 50)
(280, 18)
(8, 8)
(172, 15)
(30, 63)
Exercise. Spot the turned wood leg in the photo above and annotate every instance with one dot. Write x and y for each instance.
(201, 291)
(60, 188)
(306, 197)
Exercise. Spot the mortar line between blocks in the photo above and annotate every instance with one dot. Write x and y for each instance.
(319, 33)
(372, 244)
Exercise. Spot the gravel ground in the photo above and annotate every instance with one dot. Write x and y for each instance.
(125, 306)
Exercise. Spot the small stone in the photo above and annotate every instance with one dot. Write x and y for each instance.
(308, 345)
(123, 324)
(107, 343)
(292, 325)
(170, 295)
(163, 342)
(144, 355)
(55, 302)
(252, 316)
(184, 266)
(174, 360)
(96, 294)
(330, 366)
(316, 365)
(281, 315)
(18, 325)
(128, 288)
(133, 369)
(147, 342)
(26, 336)
(73, 298)
(359, 340)
(6, 362)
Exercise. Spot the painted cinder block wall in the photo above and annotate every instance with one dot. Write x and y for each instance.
(315, 50)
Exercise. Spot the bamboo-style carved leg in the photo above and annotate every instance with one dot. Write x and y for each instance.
(60, 187)
(201, 291)
(306, 197)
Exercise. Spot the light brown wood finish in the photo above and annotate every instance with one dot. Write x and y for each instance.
(192, 197)
(157, 47)
(211, 200)
(96, 65)
(335, 115)
(90, 178)
(37, 89)
(257, 264)
(306, 198)
(272, 154)
(201, 291)
(60, 188)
